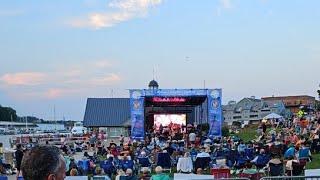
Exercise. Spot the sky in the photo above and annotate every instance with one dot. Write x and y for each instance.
(56, 54)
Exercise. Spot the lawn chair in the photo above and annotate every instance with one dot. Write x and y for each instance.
(304, 154)
(298, 168)
(144, 162)
(107, 167)
(275, 169)
(220, 173)
(255, 176)
(202, 162)
(163, 160)
(127, 164)
(84, 165)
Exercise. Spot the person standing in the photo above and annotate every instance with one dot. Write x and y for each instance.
(19, 155)
(121, 139)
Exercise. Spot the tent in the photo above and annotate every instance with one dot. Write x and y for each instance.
(273, 116)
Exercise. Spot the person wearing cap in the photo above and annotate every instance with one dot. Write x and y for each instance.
(145, 174)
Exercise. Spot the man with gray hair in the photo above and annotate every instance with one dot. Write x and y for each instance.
(159, 175)
(43, 163)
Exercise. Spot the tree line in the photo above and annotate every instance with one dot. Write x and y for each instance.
(8, 114)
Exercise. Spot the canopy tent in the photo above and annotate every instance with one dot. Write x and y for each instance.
(273, 116)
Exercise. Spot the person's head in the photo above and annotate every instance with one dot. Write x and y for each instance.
(110, 158)
(143, 153)
(248, 165)
(187, 154)
(43, 163)
(199, 171)
(203, 149)
(73, 172)
(144, 170)
(129, 172)
(1, 144)
(262, 151)
(158, 169)
(99, 171)
(19, 146)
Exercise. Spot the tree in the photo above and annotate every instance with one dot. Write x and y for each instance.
(8, 114)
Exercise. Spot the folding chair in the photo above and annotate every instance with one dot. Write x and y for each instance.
(202, 162)
(128, 164)
(298, 168)
(275, 169)
(304, 154)
(164, 161)
(144, 162)
(255, 176)
(220, 173)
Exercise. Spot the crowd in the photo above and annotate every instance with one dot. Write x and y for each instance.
(277, 144)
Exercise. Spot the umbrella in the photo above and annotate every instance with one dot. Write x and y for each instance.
(273, 116)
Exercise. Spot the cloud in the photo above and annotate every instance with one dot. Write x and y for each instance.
(103, 64)
(67, 80)
(107, 79)
(23, 78)
(124, 10)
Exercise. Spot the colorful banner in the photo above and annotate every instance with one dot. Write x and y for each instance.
(137, 114)
(214, 112)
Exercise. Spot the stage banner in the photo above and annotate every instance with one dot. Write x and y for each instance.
(214, 112)
(175, 92)
(137, 114)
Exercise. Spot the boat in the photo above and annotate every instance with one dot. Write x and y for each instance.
(78, 129)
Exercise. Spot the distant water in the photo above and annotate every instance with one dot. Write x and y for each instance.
(5, 140)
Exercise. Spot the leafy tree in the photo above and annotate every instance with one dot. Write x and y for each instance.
(225, 131)
(8, 114)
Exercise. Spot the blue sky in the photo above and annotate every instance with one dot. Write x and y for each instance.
(58, 53)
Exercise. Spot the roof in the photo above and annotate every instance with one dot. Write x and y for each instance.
(106, 112)
(252, 104)
(153, 83)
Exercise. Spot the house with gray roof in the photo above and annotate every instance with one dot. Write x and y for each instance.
(251, 110)
(113, 113)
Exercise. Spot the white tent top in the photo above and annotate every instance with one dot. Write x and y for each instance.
(273, 116)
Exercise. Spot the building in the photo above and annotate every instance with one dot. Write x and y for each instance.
(113, 113)
(295, 103)
(251, 110)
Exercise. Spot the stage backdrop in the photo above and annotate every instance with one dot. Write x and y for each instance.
(137, 99)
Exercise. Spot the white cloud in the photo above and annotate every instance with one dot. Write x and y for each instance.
(124, 10)
(107, 79)
(103, 64)
(23, 78)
